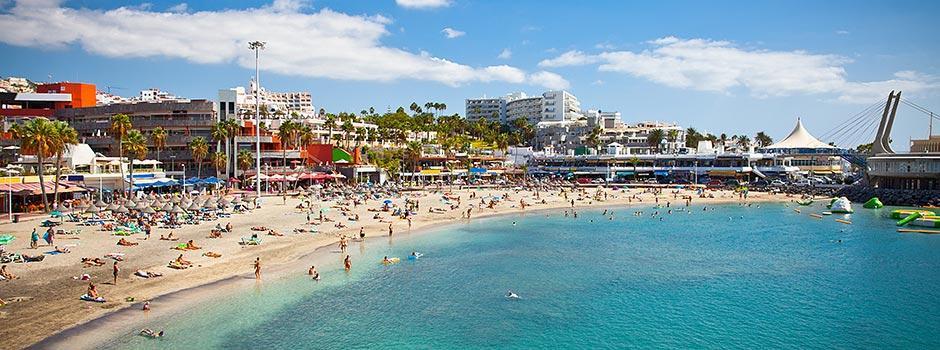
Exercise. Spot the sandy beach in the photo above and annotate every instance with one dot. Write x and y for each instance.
(43, 300)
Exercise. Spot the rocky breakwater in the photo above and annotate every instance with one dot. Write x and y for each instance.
(887, 196)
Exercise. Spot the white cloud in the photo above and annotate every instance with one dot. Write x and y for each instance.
(422, 4)
(452, 33)
(604, 46)
(179, 8)
(570, 58)
(505, 54)
(842, 32)
(320, 44)
(598, 82)
(720, 66)
(549, 80)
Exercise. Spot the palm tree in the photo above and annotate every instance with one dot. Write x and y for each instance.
(244, 161)
(655, 139)
(413, 154)
(200, 149)
(38, 136)
(158, 137)
(218, 161)
(672, 135)
(219, 133)
(120, 125)
(348, 128)
(330, 124)
(286, 134)
(692, 137)
(593, 139)
(136, 145)
(65, 136)
(634, 160)
(502, 142)
(763, 140)
(234, 129)
(744, 141)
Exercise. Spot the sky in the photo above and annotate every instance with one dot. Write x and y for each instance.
(735, 67)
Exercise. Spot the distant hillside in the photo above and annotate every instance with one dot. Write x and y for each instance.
(15, 84)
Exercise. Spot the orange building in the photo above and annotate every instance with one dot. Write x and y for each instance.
(83, 95)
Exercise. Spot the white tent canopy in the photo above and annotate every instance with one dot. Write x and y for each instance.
(800, 138)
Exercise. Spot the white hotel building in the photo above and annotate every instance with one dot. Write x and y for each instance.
(551, 106)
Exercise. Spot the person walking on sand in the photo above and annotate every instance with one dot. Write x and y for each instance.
(34, 240)
(347, 263)
(258, 268)
(390, 230)
(114, 273)
(50, 236)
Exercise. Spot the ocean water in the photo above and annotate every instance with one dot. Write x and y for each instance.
(733, 277)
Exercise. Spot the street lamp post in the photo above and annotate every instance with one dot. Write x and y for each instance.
(257, 46)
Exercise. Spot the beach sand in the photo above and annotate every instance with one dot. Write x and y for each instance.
(50, 292)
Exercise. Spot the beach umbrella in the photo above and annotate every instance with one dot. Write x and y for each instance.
(209, 205)
(225, 203)
(149, 210)
(121, 209)
(141, 205)
(193, 206)
(61, 208)
(176, 210)
(101, 204)
(92, 209)
(387, 201)
(167, 207)
(112, 206)
(175, 200)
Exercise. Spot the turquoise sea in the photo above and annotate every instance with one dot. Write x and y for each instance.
(733, 277)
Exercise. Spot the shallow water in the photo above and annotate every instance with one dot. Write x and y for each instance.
(734, 277)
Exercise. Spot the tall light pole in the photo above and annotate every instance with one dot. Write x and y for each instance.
(257, 46)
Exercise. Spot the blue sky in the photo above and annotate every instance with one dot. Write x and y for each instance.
(720, 66)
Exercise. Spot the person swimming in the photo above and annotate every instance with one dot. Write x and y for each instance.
(512, 295)
(149, 333)
(312, 272)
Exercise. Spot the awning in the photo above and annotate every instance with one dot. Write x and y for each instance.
(722, 172)
(661, 173)
(33, 188)
(154, 183)
(624, 173)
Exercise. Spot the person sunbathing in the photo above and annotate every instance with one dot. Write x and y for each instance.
(212, 254)
(182, 262)
(126, 243)
(259, 228)
(169, 237)
(89, 262)
(147, 274)
(192, 246)
(215, 234)
(6, 274)
(274, 233)
(62, 250)
(92, 291)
